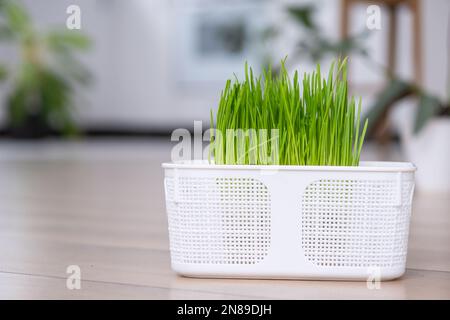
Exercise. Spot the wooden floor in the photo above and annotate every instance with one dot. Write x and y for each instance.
(101, 206)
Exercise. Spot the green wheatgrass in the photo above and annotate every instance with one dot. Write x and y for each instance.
(318, 123)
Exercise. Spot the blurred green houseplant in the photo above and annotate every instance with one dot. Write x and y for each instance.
(429, 106)
(315, 45)
(41, 94)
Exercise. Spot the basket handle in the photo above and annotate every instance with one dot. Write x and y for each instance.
(399, 182)
(176, 198)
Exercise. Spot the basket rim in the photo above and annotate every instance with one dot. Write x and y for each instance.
(364, 166)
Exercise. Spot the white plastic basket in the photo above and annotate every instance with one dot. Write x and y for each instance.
(305, 222)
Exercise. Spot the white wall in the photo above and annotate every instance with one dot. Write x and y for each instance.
(132, 59)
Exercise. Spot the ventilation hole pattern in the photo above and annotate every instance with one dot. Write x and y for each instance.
(356, 223)
(218, 220)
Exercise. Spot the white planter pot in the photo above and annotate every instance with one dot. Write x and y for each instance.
(304, 222)
(429, 150)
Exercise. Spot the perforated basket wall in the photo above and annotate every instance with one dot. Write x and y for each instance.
(356, 223)
(218, 220)
(296, 223)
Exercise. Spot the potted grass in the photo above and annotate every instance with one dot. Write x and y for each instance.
(283, 193)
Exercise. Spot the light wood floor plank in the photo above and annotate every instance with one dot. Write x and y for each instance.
(22, 286)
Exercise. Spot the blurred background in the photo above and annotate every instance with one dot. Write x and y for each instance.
(75, 70)
(78, 70)
(91, 90)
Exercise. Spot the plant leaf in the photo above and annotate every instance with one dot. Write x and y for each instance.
(428, 107)
(395, 90)
(3, 73)
(5, 32)
(17, 17)
(59, 40)
(303, 15)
